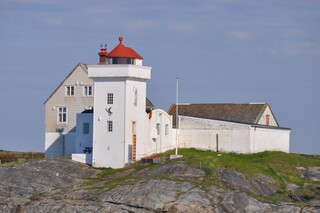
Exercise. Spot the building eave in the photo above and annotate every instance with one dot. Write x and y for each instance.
(83, 66)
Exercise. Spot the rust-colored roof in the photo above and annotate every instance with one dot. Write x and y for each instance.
(121, 51)
(242, 113)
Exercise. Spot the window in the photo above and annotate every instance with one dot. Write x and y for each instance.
(122, 61)
(166, 130)
(158, 129)
(87, 90)
(267, 120)
(109, 126)
(85, 128)
(62, 114)
(134, 127)
(70, 90)
(110, 98)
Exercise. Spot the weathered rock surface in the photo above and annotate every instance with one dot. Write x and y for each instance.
(312, 173)
(53, 186)
(261, 185)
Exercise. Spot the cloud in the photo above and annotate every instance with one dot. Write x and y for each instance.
(296, 49)
(55, 21)
(182, 27)
(240, 35)
(142, 24)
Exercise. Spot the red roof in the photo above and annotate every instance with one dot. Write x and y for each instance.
(121, 51)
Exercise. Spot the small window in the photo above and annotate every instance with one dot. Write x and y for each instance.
(110, 98)
(158, 128)
(62, 114)
(87, 90)
(166, 130)
(267, 120)
(134, 127)
(109, 126)
(69, 90)
(85, 128)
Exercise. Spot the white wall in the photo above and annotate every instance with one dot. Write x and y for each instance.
(83, 140)
(232, 137)
(59, 144)
(108, 147)
(135, 111)
(272, 120)
(263, 139)
(157, 140)
(203, 134)
(128, 85)
(82, 158)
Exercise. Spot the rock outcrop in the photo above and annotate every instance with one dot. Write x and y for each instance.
(55, 186)
(312, 173)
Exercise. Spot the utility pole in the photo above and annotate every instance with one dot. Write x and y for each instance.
(177, 115)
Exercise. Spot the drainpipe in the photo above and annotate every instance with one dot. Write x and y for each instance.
(217, 142)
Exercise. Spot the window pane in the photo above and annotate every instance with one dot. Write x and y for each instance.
(110, 98)
(109, 126)
(85, 128)
(62, 114)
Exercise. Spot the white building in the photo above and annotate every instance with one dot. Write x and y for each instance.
(239, 128)
(72, 96)
(115, 124)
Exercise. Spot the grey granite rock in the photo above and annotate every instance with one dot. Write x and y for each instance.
(312, 173)
(53, 186)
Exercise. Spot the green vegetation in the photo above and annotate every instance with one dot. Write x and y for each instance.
(110, 178)
(250, 164)
(278, 165)
(8, 157)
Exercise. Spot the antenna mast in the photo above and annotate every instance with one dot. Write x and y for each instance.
(177, 115)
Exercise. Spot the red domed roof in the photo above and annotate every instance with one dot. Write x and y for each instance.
(121, 51)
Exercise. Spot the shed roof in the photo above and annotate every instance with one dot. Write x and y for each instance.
(241, 113)
(121, 51)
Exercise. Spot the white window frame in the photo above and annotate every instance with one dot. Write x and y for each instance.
(62, 115)
(85, 128)
(166, 129)
(158, 128)
(109, 98)
(69, 90)
(110, 126)
(134, 127)
(87, 90)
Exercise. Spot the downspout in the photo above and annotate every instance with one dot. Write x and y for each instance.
(217, 142)
(254, 139)
(124, 128)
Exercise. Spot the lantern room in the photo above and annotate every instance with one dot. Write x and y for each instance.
(123, 55)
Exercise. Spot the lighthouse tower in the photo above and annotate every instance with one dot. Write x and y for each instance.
(119, 119)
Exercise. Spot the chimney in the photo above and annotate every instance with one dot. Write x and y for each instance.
(103, 55)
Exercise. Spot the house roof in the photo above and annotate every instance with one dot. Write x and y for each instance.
(83, 66)
(241, 113)
(149, 105)
(121, 51)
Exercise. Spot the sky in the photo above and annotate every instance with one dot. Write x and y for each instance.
(224, 51)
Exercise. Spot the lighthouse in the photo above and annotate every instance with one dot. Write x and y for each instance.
(119, 125)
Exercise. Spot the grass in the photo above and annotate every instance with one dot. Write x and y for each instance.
(109, 178)
(267, 163)
(9, 157)
(251, 164)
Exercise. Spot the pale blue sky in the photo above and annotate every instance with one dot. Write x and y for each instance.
(236, 51)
